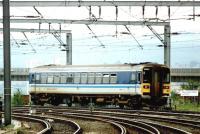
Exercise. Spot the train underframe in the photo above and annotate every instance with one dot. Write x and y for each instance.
(132, 101)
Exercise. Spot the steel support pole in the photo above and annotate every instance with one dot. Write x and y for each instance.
(167, 45)
(6, 55)
(69, 49)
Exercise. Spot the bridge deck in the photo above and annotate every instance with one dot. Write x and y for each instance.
(177, 74)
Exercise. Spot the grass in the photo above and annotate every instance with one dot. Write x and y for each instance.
(7, 127)
(186, 105)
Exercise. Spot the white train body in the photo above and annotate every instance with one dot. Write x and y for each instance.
(119, 83)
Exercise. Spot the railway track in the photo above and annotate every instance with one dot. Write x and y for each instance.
(59, 116)
(120, 124)
(167, 119)
(131, 120)
(47, 123)
(46, 127)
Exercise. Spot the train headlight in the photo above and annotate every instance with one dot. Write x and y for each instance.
(146, 89)
(166, 89)
(146, 86)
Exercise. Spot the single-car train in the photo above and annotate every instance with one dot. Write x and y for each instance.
(132, 85)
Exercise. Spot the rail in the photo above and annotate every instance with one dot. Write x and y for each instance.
(46, 124)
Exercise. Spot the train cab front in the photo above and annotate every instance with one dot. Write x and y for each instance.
(155, 85)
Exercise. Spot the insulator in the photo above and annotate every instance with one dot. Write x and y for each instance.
(60, 28)
(99, 11)
(116, 7)
(169, 12)
(49, 27)
(156, 11)
(90, 12)
(143, 10)
(39, 26)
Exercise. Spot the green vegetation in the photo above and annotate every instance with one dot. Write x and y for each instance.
(190, 85)
(7, 128)
(10, 130)
(17, 98)
(21, 131)
(186, 103)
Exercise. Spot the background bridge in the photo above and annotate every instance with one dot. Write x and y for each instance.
(177, 74)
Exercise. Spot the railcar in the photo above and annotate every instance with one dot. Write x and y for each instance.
(133, 85)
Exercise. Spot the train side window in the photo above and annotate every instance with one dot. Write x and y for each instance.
(139, 77)
(113, 78)
(98, 78)
(43, 78)
(70, 78)
(37, 79)
(77, 77)
(106, 77)
(166, 76)
(56, 78)
(50, 79)
(32, 78)
(63, 78)
(147, 75)
(90, 78)
(133, 78)
(83, 78)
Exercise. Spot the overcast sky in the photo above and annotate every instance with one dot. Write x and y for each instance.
(42, 48)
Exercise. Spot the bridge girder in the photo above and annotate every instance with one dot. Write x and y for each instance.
(100, 3)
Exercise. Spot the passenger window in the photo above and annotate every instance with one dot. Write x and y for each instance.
(90, 78)
(133, 78)
(70, 78)
(63, 78)
(50, 78)
(32, 78)
(166, 76)
(139, 77)
(56, 78)
(37, 78)
(98, 78)
(83, 78)
(43, 78)
(113, 78)
(77, 77)
(147, 75)
(106, 78)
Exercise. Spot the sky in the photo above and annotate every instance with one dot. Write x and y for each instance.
(35, 49)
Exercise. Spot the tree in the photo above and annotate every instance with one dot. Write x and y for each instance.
(17, 98)
(190, 85)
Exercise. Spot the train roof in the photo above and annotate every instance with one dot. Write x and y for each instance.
(95, 68)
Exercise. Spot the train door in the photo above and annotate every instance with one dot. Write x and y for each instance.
(32, 81)
(147, 81)
(152, 77)
(157, 82)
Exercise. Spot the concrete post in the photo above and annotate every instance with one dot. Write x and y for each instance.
(167, 45)
(69, 49)
(6, 55)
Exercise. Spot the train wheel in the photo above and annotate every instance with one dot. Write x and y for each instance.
(121, 106)
(69, 104)
(135, 103)
(55, 101)
(68, 101)
(41, 103)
